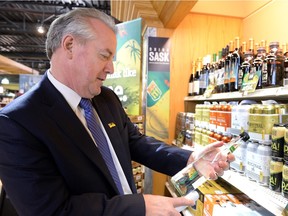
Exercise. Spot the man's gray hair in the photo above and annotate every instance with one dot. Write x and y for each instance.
(75, 23)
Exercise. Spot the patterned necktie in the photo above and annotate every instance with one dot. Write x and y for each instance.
(100, 140)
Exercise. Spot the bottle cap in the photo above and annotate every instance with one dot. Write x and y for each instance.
(244, 136)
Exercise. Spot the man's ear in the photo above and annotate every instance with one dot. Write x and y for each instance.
(67, 44)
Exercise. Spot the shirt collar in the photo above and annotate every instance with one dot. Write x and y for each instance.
(70, 96)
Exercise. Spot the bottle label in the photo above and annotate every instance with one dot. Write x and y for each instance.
(196, 87)
(183, 180)
(264, 73)
(234, 72)
(221, 76)
(190, 88)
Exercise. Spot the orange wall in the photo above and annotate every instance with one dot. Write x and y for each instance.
(268, 23)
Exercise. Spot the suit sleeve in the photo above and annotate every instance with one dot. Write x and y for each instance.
(35, 186)
(146, 150)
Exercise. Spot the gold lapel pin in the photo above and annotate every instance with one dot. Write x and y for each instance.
(112, 124)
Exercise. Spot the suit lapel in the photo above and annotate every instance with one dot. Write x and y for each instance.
(72, 127)
(111, 128)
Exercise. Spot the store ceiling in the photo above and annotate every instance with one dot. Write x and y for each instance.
(19, 39)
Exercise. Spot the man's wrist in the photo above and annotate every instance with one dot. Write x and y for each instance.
(191, 159)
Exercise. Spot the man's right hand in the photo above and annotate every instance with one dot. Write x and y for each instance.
(164, 206)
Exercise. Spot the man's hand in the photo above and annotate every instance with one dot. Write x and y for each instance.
(164, 206)
(203, 160)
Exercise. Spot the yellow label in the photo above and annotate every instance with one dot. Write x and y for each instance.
(276, 167)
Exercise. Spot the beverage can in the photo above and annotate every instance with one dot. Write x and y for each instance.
(285, 180)
(264, 157)
(268, 109)
(277, 135)
(252, 166)
(285, 151)
(275, 180)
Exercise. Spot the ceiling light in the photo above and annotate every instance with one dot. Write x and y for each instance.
(41, 29)
(5, 81)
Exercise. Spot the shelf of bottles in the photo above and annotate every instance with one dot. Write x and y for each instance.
(237, 72)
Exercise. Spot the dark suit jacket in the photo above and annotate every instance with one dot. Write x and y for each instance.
(50, 166)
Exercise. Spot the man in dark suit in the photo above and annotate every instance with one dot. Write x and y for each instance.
(49, 162)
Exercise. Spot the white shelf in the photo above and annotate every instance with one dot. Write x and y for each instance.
(272, 201)
(267, 93)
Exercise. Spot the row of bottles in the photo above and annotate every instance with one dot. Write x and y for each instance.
(237, 68)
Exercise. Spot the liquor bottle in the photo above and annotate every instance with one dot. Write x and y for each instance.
(251, 46)
(208, 68)
(235, 65)
(241, 72)
(197, 78)
(227, 66)
(275, 65)
(258, 65)
(246, 67)
(191, 81)
(256, 46)
(203, 77)
(263, 44)
(285, 53)
(212, 73)
(220, 72)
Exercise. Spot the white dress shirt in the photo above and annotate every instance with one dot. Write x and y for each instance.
(73, 100)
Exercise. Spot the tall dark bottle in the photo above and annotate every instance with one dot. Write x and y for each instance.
(197, 78)
(227, 66)
(285, 52)
(251, 47)
(213, 74)
(257, 66)
(235, 65)
(203, 78)
(246, 67)
(275, 65)
(191, 81)
(221, 72)
(241, 72)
